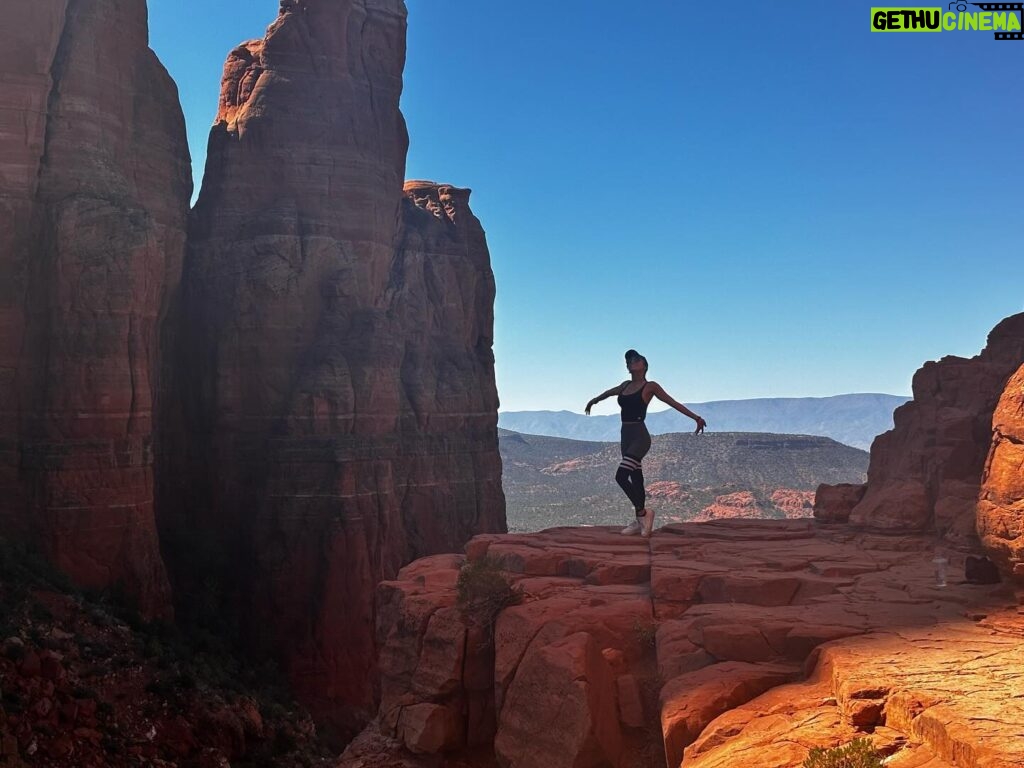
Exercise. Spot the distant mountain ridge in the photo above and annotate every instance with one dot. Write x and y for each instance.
(552, 481)
(854, 419)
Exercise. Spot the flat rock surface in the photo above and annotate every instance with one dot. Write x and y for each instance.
(717, 642)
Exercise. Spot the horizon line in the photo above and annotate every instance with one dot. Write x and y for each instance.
(731, 400)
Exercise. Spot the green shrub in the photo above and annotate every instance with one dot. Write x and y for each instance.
(857, 754)
(646, 633)
(484, 591)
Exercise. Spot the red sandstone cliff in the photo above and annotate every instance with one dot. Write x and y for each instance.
(96, 184)
(925, 473)
(337, 411)
(1001, 504)
(333, 415)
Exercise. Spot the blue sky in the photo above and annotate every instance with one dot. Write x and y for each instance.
(765, 198)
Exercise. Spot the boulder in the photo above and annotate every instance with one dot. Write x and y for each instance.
(691, 701)
(834, 503)
(429, 729)
(561, 709)
(1001, 502)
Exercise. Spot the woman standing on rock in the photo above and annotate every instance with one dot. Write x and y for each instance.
(633, 398)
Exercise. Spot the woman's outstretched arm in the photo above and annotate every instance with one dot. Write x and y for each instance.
(607, 393)
(662, 395)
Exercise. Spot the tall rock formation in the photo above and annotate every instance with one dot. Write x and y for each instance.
(96, 181)
(925, 473)
(1001, 504)
(337, 410)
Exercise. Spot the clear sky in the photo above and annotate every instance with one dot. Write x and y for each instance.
(764, 198)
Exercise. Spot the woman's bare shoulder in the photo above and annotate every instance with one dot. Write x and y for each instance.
(656, 390)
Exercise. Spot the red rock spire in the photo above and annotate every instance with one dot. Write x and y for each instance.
(338, 406)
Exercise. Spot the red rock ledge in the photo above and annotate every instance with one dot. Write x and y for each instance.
(726, 643)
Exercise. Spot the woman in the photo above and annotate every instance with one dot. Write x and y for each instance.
(633, 397)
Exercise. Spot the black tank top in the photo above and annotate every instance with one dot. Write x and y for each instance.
(633, 406)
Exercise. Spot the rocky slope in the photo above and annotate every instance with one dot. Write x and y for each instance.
(336, 406)
(96, 188)
(925, 474)
(85, 683)
(550, 481)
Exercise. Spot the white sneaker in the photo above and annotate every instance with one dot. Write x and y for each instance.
(648, 523)
(632, 529)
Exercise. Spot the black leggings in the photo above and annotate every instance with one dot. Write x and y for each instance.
(635, 443)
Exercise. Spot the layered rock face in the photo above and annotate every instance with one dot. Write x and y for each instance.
(925, 474)
(338, 412)
(96, 183)
(727, 643)
(1001, 504)
(834, 503)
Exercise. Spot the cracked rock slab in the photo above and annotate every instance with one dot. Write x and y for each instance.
(749, 643)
